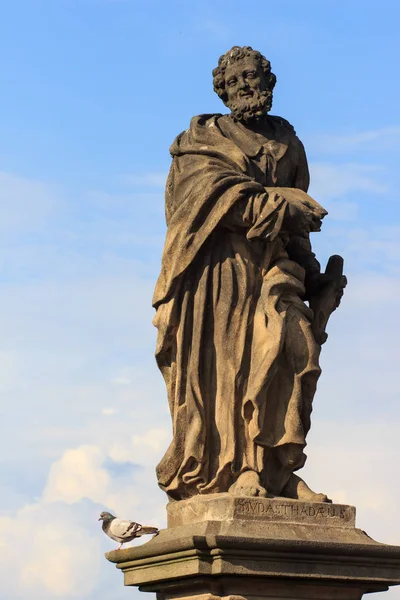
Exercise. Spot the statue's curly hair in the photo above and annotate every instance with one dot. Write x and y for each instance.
(234, 54)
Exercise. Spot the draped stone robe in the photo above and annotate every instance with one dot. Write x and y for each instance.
(234, 341)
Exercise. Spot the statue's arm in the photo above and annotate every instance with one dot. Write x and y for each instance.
(260, 214)
(289, 210)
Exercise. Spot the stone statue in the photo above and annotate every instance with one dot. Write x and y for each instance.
(241, 302)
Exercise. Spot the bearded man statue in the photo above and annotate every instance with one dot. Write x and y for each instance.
(241, 303)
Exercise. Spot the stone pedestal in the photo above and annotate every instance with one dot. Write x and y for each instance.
(220, 546)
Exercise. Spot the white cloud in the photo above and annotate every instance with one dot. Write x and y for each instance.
(62, 559)
(77, 475)
(377, 139)
(332, 181)
(122, 485)
(67, 571)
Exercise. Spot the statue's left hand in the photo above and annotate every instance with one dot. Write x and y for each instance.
(303, 213)
(328, 298)
(318, 282)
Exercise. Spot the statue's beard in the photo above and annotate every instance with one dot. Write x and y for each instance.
(251, 109)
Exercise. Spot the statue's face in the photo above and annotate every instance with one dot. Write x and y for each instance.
(245, 85)
(244, 82)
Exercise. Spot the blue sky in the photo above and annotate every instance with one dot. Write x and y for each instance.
(93, 93)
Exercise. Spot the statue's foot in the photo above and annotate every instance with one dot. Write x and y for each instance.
(248, 484)
(298, 489)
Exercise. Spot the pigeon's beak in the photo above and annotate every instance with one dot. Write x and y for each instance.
(100, 519)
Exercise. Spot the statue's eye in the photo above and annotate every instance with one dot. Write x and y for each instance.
(232, 81)
(251, 75)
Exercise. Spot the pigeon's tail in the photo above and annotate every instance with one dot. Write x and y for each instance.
(147, 531)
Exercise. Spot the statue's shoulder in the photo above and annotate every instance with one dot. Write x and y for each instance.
(201, 125)
(285, 132)
(283, 124)
(198, 125)
(204, 120)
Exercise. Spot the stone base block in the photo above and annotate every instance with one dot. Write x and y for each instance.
(254, 548)
(264, 513)
(225, 588)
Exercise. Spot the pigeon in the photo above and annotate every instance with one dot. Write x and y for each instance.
(123, 531)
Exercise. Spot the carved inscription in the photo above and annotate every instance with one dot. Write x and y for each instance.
(252, 507)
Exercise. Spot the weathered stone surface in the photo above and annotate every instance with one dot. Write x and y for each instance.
(229, 588)
(241, 302)
(225, 507)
